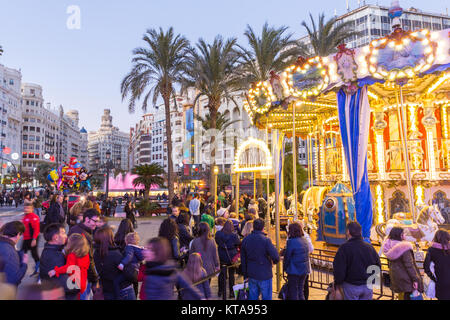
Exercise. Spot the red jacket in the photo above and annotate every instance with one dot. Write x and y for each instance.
(83, 263)
(32, 225)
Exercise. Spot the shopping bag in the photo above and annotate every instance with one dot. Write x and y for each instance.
(241, 291)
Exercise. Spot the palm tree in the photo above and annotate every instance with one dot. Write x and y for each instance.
(326, 36)
(211, 70)
(274, 50)
(1, 50)
(156, 69)
(41, 173)
(148, 175)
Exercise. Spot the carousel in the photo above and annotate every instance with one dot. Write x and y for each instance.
(376, 123)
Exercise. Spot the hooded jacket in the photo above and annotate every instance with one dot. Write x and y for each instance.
(160, 281)
(14, 268)
(403, 270)
(82, 229)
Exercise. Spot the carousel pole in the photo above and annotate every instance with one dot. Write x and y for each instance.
(403, 131)
(267, 185)
(237, 194)
(294, 162)
(254, 185)
(277, 217)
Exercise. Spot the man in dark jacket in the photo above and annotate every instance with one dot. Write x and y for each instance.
(56, 212)
(52, 256)
(91, 220)
(15, 262)
(351, 265)
(257, 256)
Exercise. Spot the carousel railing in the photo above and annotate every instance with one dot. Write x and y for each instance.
(322, 273)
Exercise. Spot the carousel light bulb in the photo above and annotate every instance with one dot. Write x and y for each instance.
(430, 59)
(406, 41)
(391, 44)
(425, 42)
(373, 59)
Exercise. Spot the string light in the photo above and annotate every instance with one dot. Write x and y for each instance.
(253, 143)
(379, 71)
(444, 77)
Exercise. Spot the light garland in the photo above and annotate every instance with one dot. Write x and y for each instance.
(256, 143)
(398, 42)
(420, 195)
(381, 163)
(444, 77)
(288, 78)
(380, 204)
(262, 88)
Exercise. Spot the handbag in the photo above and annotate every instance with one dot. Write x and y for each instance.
(282, 295)
(416, 295)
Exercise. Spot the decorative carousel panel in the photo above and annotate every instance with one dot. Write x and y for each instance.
(261, 96)
(401, 55)
(306, 78)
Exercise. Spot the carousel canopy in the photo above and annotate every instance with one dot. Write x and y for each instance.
(419, 61)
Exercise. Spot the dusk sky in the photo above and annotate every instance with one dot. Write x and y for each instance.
(82, 69)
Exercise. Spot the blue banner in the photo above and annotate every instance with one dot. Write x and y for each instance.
(354, 122)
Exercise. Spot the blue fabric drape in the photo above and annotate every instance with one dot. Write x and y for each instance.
(354, 132)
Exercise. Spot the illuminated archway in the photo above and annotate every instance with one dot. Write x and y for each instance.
(248, 161)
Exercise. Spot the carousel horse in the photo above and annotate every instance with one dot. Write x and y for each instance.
(428, 222)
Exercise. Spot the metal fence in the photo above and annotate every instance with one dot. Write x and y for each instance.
(322, 273)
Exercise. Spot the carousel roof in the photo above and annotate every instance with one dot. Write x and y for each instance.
(416, 61)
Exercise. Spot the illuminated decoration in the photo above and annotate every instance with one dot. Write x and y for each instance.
(6, 150)
(379, 204)
(306, 78)
(420, 195)
(401, 55)
(261, 96)
(444, 77)
(431, 155)
(347, 67)
(248, 162)
(372, 95)
(381, 164)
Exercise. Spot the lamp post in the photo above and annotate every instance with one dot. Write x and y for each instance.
(108, 165)
(216, 172)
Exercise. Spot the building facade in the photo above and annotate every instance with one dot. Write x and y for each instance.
(11, 117)
(48, 135)
(108, 138)
(373, 22)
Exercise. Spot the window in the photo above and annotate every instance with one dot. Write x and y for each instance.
(11, 82)
(32, 102)
(25, 137)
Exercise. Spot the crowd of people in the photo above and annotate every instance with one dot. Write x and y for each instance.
(85, 258)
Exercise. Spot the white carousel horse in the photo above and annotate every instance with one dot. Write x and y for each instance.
(423, 230)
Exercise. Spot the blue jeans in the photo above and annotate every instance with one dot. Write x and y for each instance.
(124, 294)
(353, 292)
(87, 293)
(257, 287)
(38, 211)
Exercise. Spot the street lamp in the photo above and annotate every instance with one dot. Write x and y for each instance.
(108, 165)
(216, 172)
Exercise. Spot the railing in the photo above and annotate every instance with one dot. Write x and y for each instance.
(322, 273)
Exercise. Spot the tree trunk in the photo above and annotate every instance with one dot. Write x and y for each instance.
(170, 175)
(212, 161)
